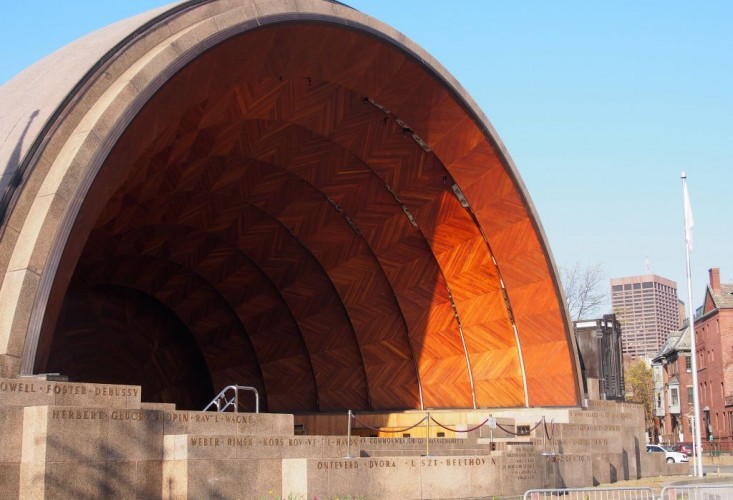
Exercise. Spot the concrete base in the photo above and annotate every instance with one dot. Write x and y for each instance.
(69, 440)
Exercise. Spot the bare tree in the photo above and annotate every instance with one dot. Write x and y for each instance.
(583, 289)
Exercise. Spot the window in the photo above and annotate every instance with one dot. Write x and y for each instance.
(688, 363)
(674, 396)
(690, 396)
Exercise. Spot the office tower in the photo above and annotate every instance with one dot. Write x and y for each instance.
(647, 307)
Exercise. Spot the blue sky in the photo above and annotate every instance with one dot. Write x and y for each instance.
(600, 104)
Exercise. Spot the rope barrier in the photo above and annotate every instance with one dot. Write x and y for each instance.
(518, 433)
(458, 430)
(381, 429)
(453, 429)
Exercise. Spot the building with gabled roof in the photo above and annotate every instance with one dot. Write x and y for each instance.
(714, 351)
(672, 371)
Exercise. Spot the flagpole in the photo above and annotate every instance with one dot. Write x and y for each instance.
(697, 443)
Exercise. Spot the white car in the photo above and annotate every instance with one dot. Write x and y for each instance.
(670, 455)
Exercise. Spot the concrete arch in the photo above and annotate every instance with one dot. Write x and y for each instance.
(331, 96)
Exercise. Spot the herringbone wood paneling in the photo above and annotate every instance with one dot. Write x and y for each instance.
(280, 202)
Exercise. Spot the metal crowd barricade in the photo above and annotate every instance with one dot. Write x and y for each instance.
(700, 491)
(643, 493)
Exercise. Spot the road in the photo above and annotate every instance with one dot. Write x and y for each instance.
(716, 469)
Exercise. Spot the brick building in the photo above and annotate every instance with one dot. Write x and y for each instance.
(714, 346)
(672, 371)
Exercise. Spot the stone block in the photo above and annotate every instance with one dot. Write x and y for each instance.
(15, 312)
(175, 467)
(405, 477)
(33, 392)
(9, 364)
(11, 423)
(210, 447)
(450, 482)
(149, 478)
(213, 423)
(9, 480)
(75, 434)
(419, 446)
(569, 471)
(234, 478)
(294, 478)
(33, 455)
(158, 406)
(582, 445)
(608, 468)
(653, 464)
(75, 480)
(101, 480)
(133, 435)
(520, 471)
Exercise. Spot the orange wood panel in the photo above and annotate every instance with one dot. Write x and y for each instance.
(296, 105)
(384, 346)
(227, 220)
(354, 272)
(345, 180)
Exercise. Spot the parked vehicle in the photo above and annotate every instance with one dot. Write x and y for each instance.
(670, 455)
(683, 447)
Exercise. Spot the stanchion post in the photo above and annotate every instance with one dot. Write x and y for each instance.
(492, 425)
(544, 434)
(427, 437)
(348, 435)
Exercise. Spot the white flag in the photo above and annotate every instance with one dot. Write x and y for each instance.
(689, 221)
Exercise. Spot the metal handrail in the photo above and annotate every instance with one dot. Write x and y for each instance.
(234, 401)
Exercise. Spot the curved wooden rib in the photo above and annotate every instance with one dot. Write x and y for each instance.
(335, 180)
(281, 353)
(308, 292)
(228, 352)
(112, 334)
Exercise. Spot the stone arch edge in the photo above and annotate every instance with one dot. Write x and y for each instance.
(29, 277)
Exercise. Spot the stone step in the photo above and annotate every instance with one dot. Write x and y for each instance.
(417, 444)
(432, 452)
(631, 417)
(28, 391)
(221, 447)
(227, 423)
(583, 430)
(157, 406)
